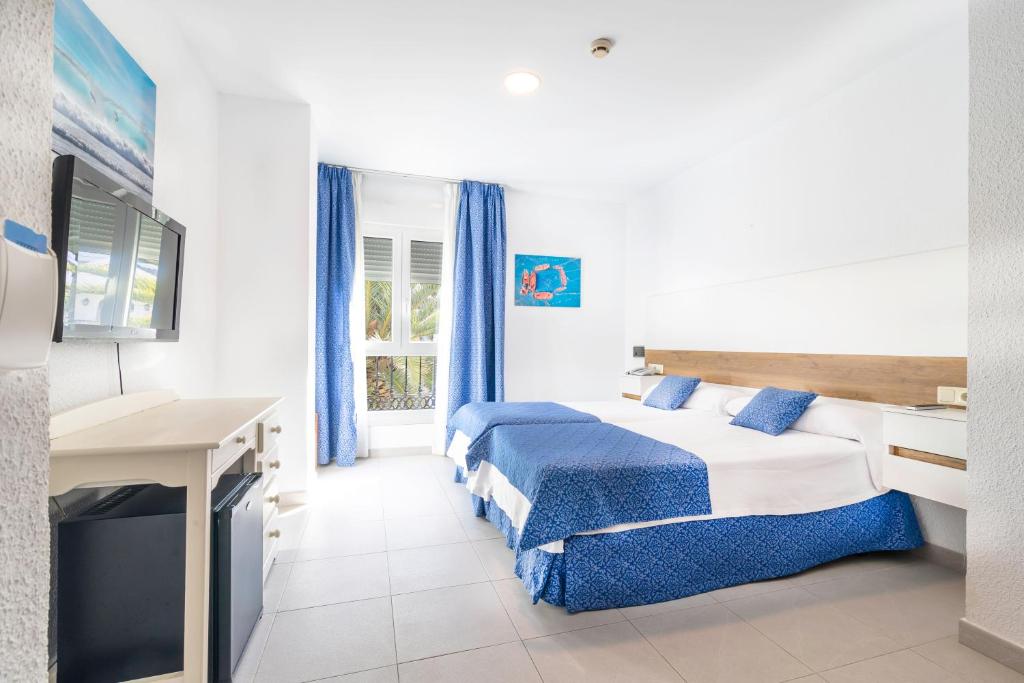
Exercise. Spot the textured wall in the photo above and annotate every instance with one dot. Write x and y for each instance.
(995, 430)
(26, 64)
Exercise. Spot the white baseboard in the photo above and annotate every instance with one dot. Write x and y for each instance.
(403, 450)
(937, 554)
(992, 646)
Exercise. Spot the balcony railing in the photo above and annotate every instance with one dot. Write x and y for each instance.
(400, 382)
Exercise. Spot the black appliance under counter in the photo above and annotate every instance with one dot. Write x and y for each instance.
(121, 582)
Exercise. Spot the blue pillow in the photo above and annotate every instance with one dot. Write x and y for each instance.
(671, 392)
(773, 410)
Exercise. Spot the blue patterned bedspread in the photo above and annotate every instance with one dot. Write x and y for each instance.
(586, 476)
(475, 419)
(671, 561)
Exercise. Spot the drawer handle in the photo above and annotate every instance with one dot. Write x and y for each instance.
(274, 499)
(275, 465)
(276, 430)
(276, 533)
(929, 458)
(239, 439)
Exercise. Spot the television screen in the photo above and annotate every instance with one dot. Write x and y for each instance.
(120, 260)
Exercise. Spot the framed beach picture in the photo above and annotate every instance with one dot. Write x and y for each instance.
(547, 281)
(104, 104)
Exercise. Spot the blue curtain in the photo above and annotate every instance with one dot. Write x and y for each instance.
(335, 272)
(477, 371)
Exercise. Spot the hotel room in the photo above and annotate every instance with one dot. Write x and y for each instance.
(580, 341)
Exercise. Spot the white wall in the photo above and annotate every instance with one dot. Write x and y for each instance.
(995, 431)
(565, 353)
(267, 167)
(875, 169)
(862, 194)
(26, 62)
(185, 187)
(912, 305)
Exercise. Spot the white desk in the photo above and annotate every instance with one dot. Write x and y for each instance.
(155, 437)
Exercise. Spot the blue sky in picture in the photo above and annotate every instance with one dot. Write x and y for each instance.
(547, 281)
(104, 103)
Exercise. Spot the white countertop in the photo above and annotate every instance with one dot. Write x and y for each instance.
(958, 414)
(180, 425)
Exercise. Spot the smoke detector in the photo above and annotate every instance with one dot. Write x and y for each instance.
(601, 47)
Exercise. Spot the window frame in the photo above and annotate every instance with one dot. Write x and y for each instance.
(402, 237)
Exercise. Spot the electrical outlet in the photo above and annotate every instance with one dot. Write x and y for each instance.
(658, 368)
(954, 396)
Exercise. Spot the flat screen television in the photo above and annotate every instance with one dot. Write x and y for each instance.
(120, 260)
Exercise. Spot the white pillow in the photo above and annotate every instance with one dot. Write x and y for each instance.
(712, 398)
(840, 420)
(825, 418)
(735, 405)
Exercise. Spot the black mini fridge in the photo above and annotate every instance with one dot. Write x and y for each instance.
(121, 582)
(236, 573)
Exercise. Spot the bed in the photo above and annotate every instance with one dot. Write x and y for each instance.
(708, 397)
(756, 507)
(774, 505)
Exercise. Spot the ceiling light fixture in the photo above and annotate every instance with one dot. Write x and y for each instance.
(522, 82)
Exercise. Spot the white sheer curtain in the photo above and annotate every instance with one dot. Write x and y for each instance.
(444, 325)
(357, 327)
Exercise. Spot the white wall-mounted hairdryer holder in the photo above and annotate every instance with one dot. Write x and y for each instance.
(28, 305)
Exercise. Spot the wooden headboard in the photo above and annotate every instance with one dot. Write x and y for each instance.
(901, 380)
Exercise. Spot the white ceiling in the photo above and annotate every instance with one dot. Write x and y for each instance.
(416, 86)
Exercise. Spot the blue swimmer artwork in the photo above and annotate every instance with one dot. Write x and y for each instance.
(552, 281)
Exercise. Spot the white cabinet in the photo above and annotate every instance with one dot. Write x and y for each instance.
(268, 461)
(926, 453)
(157, 437)
(634, 386)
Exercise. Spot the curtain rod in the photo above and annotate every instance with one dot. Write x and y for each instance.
(373, 171)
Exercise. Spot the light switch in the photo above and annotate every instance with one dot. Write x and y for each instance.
(954, 396)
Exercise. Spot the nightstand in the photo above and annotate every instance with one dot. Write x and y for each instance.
(926, 453)
(634, 386)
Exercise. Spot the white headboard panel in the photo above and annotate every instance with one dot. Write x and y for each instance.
(908, 305)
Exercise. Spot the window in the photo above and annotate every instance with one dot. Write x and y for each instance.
(424, 286)
(403, 279)
(377, 254)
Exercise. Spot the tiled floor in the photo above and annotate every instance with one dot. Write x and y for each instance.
(407, 585)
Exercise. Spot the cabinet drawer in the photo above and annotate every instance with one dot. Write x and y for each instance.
(271, 500)
(269, 463)
(935, 482)
(270, 430)
(634, 386)
(269, 558)
(237, 443)
(271, 541)
(921, 433)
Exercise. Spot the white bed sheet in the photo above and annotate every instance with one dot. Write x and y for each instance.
(749, 473)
